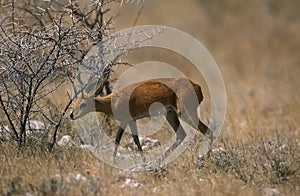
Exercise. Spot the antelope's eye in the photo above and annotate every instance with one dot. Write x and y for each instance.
(83, 105)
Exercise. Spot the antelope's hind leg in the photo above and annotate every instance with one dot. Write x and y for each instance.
(191, 118)
(172, 118)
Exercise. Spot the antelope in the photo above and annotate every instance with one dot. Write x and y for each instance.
(175, 94)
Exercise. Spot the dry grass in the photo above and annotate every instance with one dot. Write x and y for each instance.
(255, 167)
(256, 46)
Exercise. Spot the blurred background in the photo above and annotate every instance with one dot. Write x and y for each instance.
(256, 46)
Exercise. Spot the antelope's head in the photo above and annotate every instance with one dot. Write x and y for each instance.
(89, 91)
(82, 106)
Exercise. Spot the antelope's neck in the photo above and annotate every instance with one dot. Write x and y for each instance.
(103, 104)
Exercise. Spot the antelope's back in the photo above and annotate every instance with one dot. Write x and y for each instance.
(163, 90)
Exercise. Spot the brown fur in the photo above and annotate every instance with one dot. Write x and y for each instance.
(174, 93)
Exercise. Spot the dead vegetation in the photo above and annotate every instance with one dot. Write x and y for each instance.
(260, 166)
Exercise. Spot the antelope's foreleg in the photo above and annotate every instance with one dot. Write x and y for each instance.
(133, 127)
(119, 136)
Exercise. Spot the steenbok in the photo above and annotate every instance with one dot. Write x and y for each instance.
(175, 94)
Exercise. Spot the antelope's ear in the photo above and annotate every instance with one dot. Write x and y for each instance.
(91, 86)
(94, 86)
(86, 95)
(99, 87)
